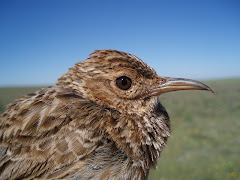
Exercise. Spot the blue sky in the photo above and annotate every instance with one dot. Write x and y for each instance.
(41, 39)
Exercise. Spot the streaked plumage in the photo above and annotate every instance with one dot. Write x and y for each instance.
(85, 127)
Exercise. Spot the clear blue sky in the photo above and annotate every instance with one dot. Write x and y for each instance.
(41, 39)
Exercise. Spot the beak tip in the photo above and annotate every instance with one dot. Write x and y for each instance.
(209, 89)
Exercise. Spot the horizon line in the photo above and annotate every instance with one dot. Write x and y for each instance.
(49, 85)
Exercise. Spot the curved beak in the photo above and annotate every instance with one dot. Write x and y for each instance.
(168, 84)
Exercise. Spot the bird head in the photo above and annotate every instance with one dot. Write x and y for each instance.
(128, 88)
(122, 81)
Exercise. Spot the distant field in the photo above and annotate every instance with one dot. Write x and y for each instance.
(205, 141)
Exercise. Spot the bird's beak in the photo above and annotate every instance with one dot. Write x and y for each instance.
(166, 84)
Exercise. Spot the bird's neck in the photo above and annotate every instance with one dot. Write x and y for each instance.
(141, 136)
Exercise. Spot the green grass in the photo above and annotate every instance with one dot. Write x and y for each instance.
(205, 141)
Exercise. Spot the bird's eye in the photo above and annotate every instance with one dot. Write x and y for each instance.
(124, 82)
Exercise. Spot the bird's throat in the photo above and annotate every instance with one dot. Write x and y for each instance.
(142, 138)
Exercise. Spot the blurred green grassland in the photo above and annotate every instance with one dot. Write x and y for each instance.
(205, 140)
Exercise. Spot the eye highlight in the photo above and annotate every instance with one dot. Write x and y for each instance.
(124, 82)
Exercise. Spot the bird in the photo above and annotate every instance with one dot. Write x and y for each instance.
(101, 120)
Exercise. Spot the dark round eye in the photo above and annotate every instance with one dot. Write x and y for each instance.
(124, 82)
